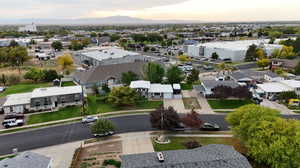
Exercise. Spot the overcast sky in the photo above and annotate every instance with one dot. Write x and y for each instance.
(201, 10)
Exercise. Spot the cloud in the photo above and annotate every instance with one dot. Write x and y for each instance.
(74, 8)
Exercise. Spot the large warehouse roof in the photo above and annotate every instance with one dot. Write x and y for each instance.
(239, 45)
(108, 53)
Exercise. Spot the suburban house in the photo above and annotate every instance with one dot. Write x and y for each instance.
(207, 86)
(107, 56)
(153, 91)
(272, 89)
(106, 74)
(210, 156)
(251, 77)
(42, 99)
(27, 160)
(285, 64)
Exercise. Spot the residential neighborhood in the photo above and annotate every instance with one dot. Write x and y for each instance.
(158, 88)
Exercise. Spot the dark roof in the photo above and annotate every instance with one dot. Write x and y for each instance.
(210, 84)
(26, 160)
(210, 156)
(255, 75)
(104, 72)
(287, 62)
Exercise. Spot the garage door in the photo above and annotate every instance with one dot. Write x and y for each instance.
(168, 95)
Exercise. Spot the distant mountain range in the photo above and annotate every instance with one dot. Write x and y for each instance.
(95, 21)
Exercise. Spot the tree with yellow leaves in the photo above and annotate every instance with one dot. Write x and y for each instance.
(184, 58)
(65, 61)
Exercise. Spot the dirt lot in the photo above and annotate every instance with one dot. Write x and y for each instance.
(93, 156)
(190, 103)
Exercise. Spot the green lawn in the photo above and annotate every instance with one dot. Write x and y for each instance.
(186, 86)
(23, 88)
(228, 104)
(178, 143)
(69, 83)
(95, 106)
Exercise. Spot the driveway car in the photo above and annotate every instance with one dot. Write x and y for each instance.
(210, 127)
(2, 89)
(89, 119)
(12, 123)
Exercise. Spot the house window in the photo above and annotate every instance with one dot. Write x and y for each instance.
(46, 101)
(37, 104)
(62, 99)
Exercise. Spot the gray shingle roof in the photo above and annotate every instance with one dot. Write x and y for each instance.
(210, 156)
(26, 160)
(255, 75)
(210, 84)
(103, 72)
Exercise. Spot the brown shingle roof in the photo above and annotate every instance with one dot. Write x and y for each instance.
(104, 72)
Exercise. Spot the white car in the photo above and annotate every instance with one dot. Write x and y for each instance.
(89, 119)
(2, 89)
(12, 123)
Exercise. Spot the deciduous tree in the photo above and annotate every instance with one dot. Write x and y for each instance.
(122, 96)
(164, 118)
(192, 120)
(102, 126)
(65, 61)
(153, 72)
(128, 77)
(174, 75)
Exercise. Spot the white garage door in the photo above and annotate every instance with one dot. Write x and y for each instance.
(168, 95)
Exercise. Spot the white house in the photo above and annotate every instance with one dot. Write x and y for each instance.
(42, 99)
(28, 28)
(271, 89)
(156, 91)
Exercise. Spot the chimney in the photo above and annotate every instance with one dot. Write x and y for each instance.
(160, 157)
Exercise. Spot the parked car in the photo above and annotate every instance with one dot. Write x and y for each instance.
(2, 89)
(109, 133)
(89, 119)
(210, 127)
(180, 127)
(12, 123)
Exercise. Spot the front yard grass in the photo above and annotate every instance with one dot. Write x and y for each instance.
(178, 143)
(68, 83)
(23, 88)
(228, 104)
(191, 103)
(95, 106)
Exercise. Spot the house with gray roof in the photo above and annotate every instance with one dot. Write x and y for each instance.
(250, 76)
(210, 156)
(207, 86)
(106, 74)
(27, 160)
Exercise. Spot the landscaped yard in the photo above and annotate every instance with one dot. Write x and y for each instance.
(186, 86)
(228, 104)
(178, 143)
(23, 88)
(95, 106)
(69, 83)
(190, 103)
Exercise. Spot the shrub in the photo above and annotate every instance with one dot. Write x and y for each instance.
(112, 162)
(192, 144)
(13, 79)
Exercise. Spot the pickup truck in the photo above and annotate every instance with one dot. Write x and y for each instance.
(12, 123)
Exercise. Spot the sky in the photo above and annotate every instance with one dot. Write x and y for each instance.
(200, 10)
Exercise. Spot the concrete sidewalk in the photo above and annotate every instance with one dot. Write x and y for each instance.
(280, 107)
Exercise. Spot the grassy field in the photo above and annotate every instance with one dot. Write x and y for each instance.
(95, 106)
(178, 143)
(23, 88)
(190, 103)
(228, 104)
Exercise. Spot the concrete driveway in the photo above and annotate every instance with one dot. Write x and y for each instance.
(135, 143)
(177, 104)
(274, 105)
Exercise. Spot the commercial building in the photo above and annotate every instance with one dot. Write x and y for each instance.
(42, 99)
(28, 28)
(232, 50)
(210, 156)
(107, 56)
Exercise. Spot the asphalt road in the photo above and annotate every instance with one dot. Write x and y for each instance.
(76, 131)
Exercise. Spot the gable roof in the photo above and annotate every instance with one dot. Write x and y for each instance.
(287, 62)
(103, 72)
(250, 74)
(210, 156)
(26, 160)
(55, 91)
(210, 84)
